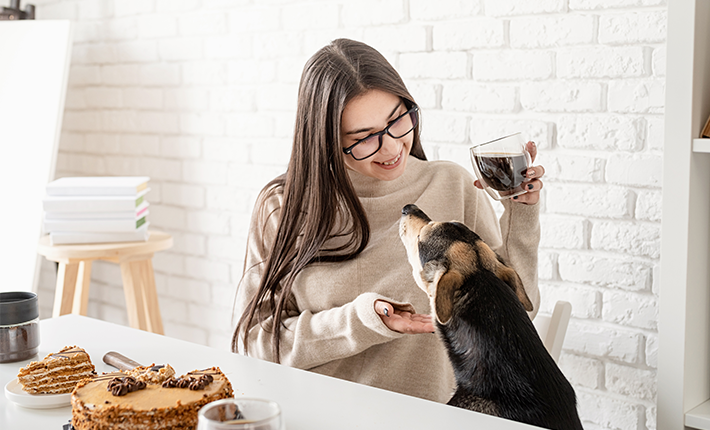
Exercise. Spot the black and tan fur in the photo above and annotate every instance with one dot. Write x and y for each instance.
(500, 364)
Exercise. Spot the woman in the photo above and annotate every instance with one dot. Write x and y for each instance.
(327, 286)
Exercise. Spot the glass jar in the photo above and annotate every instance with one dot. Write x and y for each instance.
(19, 326)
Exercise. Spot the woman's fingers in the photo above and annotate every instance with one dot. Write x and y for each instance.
(421, 318)
(532, 196)
(406, 322)
(383, 308)
(533, 186)
(532, 150)
(414, 326)
(403, 321)
(535, 172)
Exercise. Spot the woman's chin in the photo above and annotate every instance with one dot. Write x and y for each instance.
(390, 172)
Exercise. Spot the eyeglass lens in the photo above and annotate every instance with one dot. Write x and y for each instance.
(397, 129)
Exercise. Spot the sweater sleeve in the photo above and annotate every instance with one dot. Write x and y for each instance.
(307, 339)
(515, 237)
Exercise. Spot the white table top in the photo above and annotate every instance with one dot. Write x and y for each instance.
(309, 401)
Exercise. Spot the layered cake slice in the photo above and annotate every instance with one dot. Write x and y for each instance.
(120, 401)
(57, 373)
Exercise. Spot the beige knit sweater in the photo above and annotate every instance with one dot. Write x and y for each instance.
(333, 328)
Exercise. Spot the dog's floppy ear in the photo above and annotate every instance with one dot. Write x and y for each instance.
(491, 261)
(443, 284)
(510, 277)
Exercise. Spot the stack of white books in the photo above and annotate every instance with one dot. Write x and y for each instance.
(96, 209)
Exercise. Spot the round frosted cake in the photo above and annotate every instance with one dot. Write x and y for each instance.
(120, 401)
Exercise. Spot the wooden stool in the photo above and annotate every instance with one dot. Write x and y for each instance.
(72, 293)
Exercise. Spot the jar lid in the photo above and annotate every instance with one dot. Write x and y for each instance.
(17, 307)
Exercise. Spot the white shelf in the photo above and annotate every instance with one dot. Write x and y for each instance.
(684, 304)
(701, 145)
(699, 417)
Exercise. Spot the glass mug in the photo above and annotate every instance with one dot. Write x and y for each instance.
(501, 166)
(240, 414)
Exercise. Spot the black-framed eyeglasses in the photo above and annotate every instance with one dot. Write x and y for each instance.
(400, 127)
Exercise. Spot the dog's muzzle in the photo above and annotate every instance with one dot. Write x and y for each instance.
(410, 224)
(414, 211)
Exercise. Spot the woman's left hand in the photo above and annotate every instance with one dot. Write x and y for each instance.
(533, 185)
(402, 321)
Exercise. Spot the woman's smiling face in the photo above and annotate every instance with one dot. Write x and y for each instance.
(370, 113)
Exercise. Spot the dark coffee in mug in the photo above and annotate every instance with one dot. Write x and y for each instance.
(502, 172)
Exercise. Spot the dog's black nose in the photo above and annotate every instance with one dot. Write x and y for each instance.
(409, 209)
(413, 211)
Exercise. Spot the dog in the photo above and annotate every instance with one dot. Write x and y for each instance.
(478, 304)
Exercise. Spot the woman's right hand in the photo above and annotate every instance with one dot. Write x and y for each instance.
(402, 321)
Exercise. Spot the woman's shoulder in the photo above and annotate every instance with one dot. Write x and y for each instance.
(274, 189)
(270, 198)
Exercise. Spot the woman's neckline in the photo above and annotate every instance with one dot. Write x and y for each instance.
(366, 186)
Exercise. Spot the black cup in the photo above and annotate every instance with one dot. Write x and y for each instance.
(19, 326)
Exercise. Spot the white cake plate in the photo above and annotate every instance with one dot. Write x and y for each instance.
(14, 393)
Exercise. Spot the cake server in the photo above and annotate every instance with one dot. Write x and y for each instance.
(121, 362)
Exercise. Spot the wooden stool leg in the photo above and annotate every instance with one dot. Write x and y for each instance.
(81, 293)
(64, 293)
(139, 284)
(150, 298)
(133, 289)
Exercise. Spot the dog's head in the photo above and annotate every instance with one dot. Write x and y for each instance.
(444, 254)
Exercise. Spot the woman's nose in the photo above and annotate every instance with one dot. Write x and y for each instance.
(390, 145)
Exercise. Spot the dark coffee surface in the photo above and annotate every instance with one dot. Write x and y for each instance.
(502, 172)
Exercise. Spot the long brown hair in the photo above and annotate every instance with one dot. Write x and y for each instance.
(316, 188)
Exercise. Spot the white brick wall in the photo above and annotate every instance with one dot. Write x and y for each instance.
(200, 95)
(552, 31)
